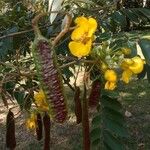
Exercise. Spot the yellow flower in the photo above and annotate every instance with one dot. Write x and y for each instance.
(137, 66)
(110, 75)
(82, 36)
(40, 101)
(31, 122)
(111, 79)
(131, 66)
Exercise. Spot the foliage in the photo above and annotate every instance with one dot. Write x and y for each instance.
(108, 126)
(121, 24)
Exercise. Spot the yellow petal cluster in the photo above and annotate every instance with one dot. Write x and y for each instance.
(131, 66)
(40, 101)
(31, 122)
(111, 79)
(82, 36)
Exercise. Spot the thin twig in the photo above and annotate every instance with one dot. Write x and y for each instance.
(68, 64)
(65, 30)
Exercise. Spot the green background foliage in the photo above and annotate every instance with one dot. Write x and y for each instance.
(121, 23)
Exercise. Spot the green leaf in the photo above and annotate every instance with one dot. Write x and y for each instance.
(133, 47)
(148, 72)
(113, 115)
(112, 142)
(118, 43)
(95, 134)
(6, 44)
(131, 15)
(112, 94)
(27, 101)
(96, 121)
(104, 36)
(115, 128)
(145, 46)
(110, 103)
(19, 96)
(9, 87)
(143, 73)
(67, 73)
(119, 18)
(145, 12)
(95, 144)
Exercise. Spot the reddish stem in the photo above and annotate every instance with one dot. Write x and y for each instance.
(85, 122)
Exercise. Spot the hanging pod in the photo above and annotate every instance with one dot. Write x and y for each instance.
(49, 74)
(10, 131)
(47, 126)
(39, 127)
(95, 93)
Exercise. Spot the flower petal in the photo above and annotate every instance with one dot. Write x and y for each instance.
(126, 63)
(78, 34)
(80, 21)
(137, 66)
(79, 49)
(92, 23)
(110, 75)
(110, 85)
(126, 75)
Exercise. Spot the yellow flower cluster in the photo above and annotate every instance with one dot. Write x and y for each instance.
(130, 67)
(82, 36)
(40, 101)
(31, 122)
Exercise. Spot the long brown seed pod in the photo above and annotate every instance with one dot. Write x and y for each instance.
(39, 127)
(49, 74)
(78, 106)
(47, 125)
(95, 93)
(10, 131)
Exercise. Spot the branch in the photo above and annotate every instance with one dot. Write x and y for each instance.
(25, 31)
(30, 30)
(65, 30)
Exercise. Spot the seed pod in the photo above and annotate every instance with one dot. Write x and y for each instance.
(39, 127)
(78, 106)
(47, 124)
(10, 131)
(49, 76)
(95, 93)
